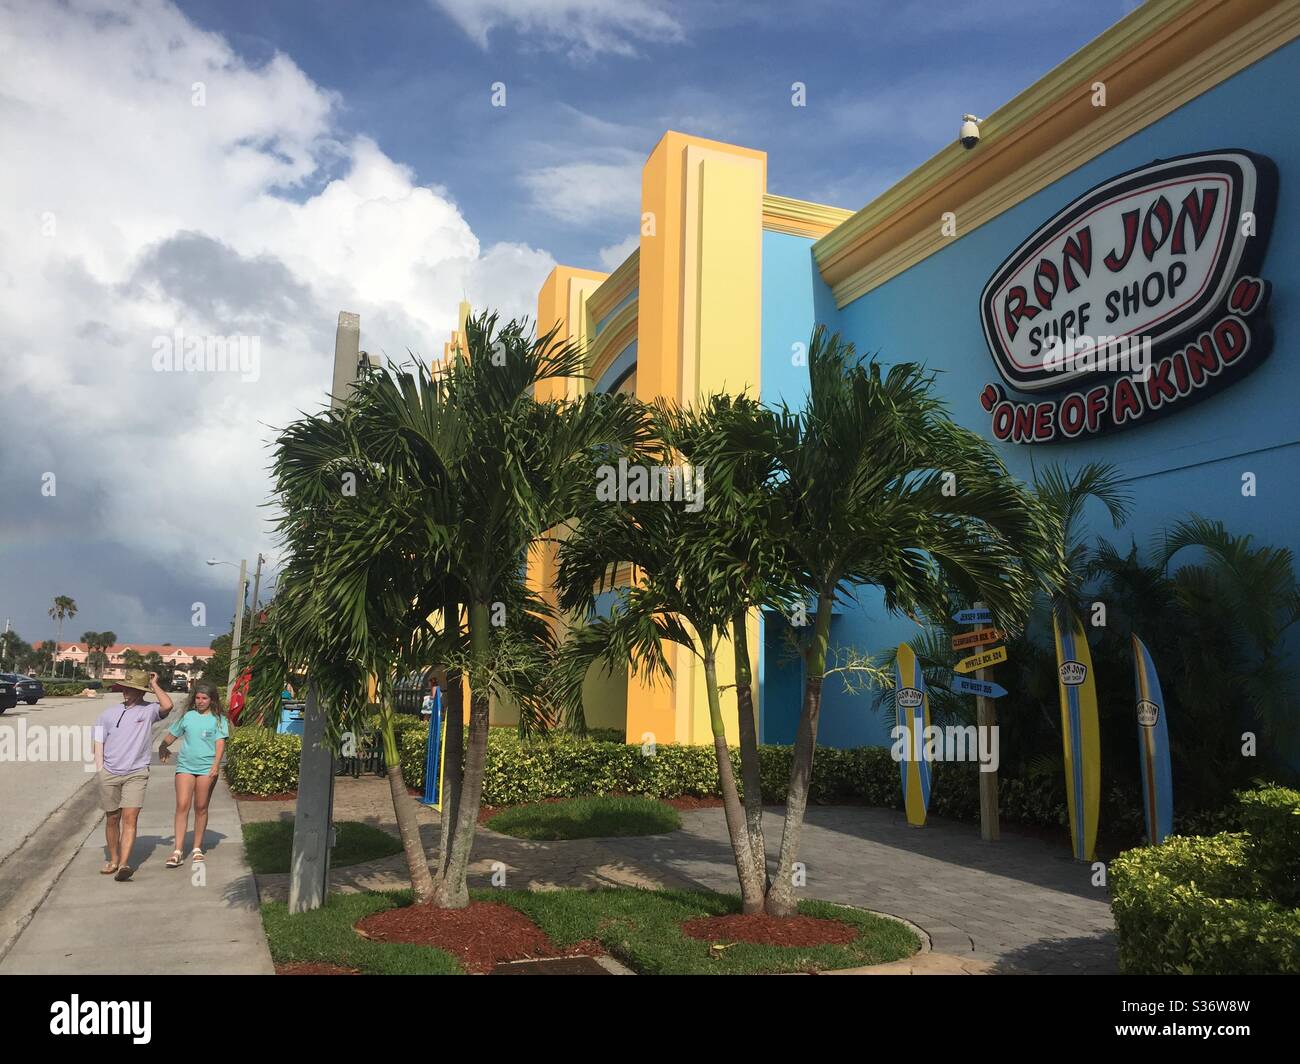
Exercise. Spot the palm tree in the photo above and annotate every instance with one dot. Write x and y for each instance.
(686, 589)
(64, 607)
(883, 489)
(454, 477)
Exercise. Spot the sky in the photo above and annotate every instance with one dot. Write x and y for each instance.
(238, 172)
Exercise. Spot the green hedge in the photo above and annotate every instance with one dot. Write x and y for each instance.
(258, 761)
(1219, 905)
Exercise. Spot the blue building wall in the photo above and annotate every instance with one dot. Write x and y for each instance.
(1190, 461)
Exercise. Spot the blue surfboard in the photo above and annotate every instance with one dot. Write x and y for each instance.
(1153, 747)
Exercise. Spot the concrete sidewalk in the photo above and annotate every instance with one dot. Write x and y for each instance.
(163, 921)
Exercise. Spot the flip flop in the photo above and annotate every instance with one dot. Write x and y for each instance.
(110, 870)
(175, 860)
(124, 873)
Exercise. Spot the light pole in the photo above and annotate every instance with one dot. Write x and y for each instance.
(257, 581)
(240, 591)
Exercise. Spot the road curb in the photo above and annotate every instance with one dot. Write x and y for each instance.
(30, 872)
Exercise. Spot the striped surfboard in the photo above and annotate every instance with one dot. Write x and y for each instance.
(1153, 747)
(912, 711)
(1079, 733)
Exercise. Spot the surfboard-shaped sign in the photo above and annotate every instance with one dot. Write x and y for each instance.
(974, 639)
(985, 688)
(982, 660)
(1080, 734)
(912, 711)
(1153, 747)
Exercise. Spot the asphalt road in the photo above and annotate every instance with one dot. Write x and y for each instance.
(30, 791)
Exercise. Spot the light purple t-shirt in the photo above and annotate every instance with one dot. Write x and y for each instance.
(127, 735)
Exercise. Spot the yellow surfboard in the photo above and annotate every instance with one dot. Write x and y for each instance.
(1081, 737)
(912, 711)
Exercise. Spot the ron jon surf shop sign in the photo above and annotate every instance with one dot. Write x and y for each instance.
(1137, 299)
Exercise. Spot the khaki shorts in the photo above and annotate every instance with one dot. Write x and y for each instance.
(117, 792)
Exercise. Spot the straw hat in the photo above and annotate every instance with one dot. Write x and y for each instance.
(137, 679)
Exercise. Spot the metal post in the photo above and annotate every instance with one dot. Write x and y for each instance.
(309, 872)
(239, 627)
(986, 716)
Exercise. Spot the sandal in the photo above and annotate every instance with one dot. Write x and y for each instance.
(108, 869)
(124, 873)
(197, 856)
(175, 860)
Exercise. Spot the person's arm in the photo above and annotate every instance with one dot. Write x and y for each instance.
(165, 703)
(215, 770)
(99, 755)
(169, 737)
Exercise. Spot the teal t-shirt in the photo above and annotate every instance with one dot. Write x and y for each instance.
(200, 732)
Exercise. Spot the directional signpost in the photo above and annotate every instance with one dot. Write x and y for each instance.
(982, 660)
(984, 691)
(977, 638)
(984, 688)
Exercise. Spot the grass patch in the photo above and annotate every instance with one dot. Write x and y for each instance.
(269, 845)
(586, 818)
(325, 936)
(643, 929)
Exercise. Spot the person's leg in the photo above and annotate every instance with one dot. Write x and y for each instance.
(130, 815)
(202, 795)
(184, 798)
(112, 822)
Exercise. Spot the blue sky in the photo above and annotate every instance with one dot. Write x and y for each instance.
(247, 169)
(887, 83)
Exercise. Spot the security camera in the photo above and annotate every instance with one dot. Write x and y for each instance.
(970, 131)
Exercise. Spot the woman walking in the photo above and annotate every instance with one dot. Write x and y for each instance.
(204, 728)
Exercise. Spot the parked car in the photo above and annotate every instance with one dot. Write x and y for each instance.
(179, 683)
(8, 695)
(25, 688)
(410, 690)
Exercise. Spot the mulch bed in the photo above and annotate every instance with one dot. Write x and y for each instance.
(479, 936)
(689, 803)
(770, 930)
(287, 796)
(313, 969)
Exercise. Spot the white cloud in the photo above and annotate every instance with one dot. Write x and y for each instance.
(604, 188)
(582, 28)
(129, 212)
(615, 255)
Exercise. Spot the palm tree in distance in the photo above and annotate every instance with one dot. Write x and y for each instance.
(64, 607)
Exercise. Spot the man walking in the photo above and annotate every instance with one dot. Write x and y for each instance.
(123, 744)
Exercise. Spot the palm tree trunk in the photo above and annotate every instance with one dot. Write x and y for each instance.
(408, 823)
(750, 770)
(751, 886)
(451, 892)
(781, 900)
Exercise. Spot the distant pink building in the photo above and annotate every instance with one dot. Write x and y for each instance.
(188, 660)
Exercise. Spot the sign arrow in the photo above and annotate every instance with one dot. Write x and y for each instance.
(973, 616)
(974, 639)
(982, 660)
(967, 686)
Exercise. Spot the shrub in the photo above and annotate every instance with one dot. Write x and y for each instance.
(1271, 816)
(258, 761)
(1217, 905)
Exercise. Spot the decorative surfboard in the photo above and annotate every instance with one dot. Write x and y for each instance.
(912, 711)
(1080, 735)
(1153, 747)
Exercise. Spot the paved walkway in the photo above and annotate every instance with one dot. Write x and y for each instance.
(163, 921)
(1021, 904)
